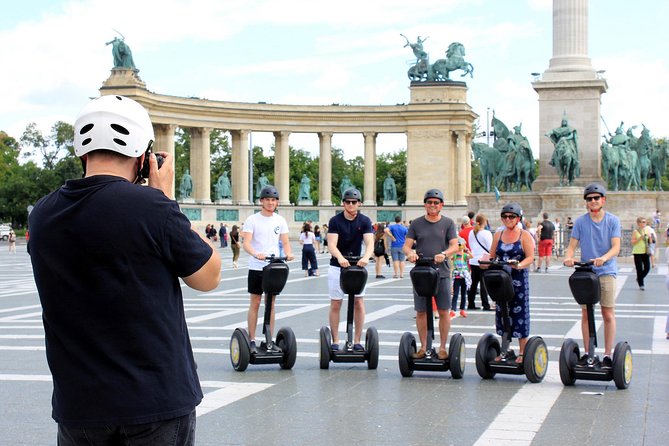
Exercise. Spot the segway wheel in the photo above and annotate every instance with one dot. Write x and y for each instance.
(622, 365)
(240, 350)
(535, 359)
(285, 339)
(326, 342)
(569, 355)
(486, 351)
(372, 348)
(407, 348)
(456, 356)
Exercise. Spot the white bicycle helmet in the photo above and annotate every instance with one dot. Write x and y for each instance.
(114, 123)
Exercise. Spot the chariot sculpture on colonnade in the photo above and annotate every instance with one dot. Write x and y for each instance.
(423, 71)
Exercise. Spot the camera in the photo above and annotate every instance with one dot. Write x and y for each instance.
(144, 173)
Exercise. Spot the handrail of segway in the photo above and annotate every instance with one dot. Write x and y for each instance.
(588, 263)
(353, 259)
(275, 258)
(499, 262)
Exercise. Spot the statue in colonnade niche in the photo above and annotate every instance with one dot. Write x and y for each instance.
(186, 186)
(389, 189)
(345, 185)
(262, 182)
(222, 187)
(565, 156)
(304, 193)
(643, 146)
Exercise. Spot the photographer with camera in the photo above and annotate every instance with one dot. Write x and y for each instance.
(107, 255)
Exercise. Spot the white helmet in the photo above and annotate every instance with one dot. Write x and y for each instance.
(114, 123)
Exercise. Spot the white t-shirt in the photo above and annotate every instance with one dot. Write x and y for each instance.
(307, 238)
(485, 237)
(266, 232)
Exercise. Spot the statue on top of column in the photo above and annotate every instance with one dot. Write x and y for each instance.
(122, 54)
(305, 189)
(186, 187)
(222, 187)
(389, 189)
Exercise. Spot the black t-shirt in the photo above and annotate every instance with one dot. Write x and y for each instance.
(107, 256)
(547, 230)
(350, 234)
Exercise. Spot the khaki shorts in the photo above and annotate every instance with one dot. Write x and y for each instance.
(607, 286)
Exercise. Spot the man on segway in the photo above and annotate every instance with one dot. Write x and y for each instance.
(435, 236)
(598, 233)
(262, 232)
(346, 232)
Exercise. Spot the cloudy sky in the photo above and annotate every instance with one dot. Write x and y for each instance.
(312, 52)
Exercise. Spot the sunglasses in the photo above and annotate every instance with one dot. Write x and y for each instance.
(433, 202)
(350, 201)
(509, 216)
(595, 198)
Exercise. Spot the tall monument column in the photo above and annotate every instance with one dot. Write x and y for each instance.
(282, 166)
(200, 154)
(370, 168)
(240, 167)
(570, 88)
(325, 169)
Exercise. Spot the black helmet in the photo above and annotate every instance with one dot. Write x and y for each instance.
(352, 194)
(512, 208)
(433, 193)
(269, 192)
(594, 188)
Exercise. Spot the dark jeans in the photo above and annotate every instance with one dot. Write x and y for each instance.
(174, 432)
(309, 262)
(642, 265)
(459, 287)
(477, 276)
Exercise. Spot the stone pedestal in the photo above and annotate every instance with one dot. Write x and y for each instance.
(188, 200)
(305, 202)
(390, 202)
(123, 77)
(224, 201)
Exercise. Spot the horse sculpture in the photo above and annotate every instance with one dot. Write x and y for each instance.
(566, 162)
(489, 164)
(643, 147)
(454, 61)
(658, 161)
(611, 164)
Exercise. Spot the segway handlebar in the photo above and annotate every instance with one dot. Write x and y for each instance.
(588, 263)
(275, 258)
(499, 262)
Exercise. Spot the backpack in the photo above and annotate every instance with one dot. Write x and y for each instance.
(379, 247)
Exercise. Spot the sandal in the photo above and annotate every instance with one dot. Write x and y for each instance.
(519, 359)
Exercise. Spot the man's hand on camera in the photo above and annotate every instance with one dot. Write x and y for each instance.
(163, 178)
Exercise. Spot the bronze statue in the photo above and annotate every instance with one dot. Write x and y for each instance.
(186, 187)
(389, 189)
(643, 147)
(262, 182)
(565, 156)
(122, 54)
(345, 185)
(305, 189)
(222, 187)
(455, 60)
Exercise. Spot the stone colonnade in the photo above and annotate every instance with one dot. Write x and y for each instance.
(437, 121)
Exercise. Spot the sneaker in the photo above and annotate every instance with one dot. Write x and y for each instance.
(380, 276)
(253, 346)
(463, 313)
(442, 355)
(642, 288)
(584, 360)
(358, 348)
(545, 270)
(487, 309)
(452, 313)
(420, 354)
(334, 347)
(607, 363)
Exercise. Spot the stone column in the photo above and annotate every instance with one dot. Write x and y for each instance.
(325, 169)
(370, 168)
(240, 167)
(165, 142)
(200, 163)
(570, 88)
(461, 158)
(282, 166)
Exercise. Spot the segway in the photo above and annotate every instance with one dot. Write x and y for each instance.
(425, 280)
(352, 281)
(498, 284)
(584, 284)
(284, 350)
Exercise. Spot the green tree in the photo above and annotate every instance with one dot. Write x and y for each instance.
(394, 164)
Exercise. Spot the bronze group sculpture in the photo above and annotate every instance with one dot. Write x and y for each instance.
(122, 54)
(565, 156)
(423, 71)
